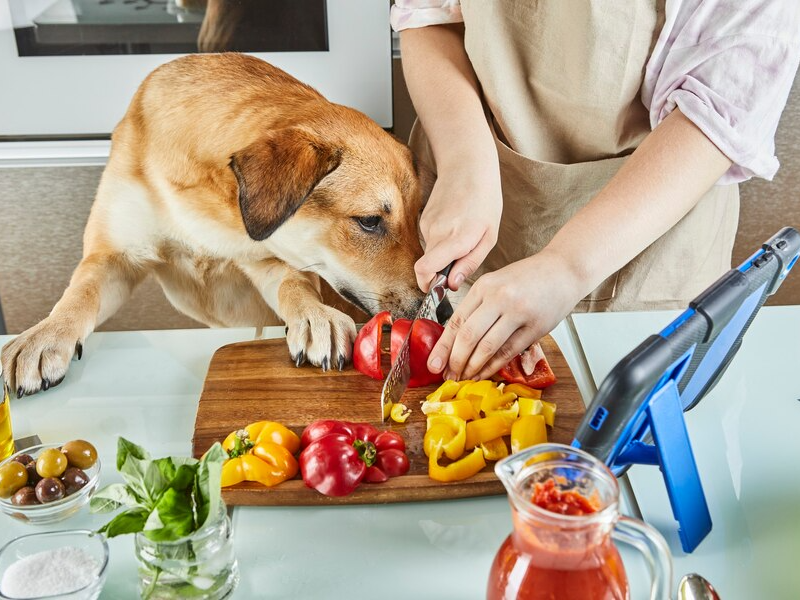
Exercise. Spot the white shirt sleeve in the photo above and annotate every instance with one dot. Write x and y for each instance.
(729, 66)
(410, 14)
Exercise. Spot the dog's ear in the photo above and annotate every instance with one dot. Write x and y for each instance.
(276, 173)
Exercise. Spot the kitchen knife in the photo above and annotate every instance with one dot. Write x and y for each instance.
(397, 379)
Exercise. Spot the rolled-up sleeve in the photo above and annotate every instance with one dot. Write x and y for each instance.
(728, 65)
(410, 14)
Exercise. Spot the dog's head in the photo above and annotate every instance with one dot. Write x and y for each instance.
(339, 197)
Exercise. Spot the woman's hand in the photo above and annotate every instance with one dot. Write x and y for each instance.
(460, 222)
(505, 312)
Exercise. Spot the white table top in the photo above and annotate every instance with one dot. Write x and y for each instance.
(145, 386)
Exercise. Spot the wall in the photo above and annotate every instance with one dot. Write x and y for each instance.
(43, 213)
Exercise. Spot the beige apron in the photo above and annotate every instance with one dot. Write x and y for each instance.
(561, 82)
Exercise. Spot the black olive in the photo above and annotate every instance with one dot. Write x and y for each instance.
(49, 489)
(23, 459)
(74, 479)
(33, 474)
(25, 496)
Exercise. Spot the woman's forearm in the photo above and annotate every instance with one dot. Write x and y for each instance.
(662, 181)
(446, 96)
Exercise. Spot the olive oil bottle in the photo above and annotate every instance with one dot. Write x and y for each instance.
(6, 437)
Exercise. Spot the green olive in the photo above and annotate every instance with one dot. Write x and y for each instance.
(13, 476)
(51, 463)
(80, 453)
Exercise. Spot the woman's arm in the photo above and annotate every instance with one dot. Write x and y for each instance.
(507, 310)
(461, 219)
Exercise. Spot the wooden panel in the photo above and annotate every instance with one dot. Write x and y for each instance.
(252, 381)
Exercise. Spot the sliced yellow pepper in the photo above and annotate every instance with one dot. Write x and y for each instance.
(528, 431)
(529, 406)
(523, 391)
(492, 402)
(446, 431)
(400, 413)
(446, 391)
(509, 414)
(458, 470)
(549, 412)
(483, 430)
(475, 401)
(459, 408)
(495, 449)
(479, 388)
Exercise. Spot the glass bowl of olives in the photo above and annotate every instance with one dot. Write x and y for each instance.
(50, 482)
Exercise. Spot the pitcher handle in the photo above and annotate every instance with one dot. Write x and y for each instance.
(652, 545)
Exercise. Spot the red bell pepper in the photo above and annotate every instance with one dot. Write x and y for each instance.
(529, 368)
(367, 348)
(338, 455)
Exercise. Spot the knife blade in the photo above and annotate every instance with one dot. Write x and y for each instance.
(397, 380)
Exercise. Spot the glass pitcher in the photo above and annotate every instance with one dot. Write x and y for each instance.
(569, 556)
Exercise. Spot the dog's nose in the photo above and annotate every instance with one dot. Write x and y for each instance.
(444, 311)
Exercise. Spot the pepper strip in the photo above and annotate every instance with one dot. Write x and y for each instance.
(459, 408)
(449, 432)
(528, 431)
(483, 430)
(458, 470)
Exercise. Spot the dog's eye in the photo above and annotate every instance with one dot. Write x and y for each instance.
(369, 224)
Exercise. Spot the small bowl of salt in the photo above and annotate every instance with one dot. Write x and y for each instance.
(68, 565)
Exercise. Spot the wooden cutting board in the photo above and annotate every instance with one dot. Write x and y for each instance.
(254, 381)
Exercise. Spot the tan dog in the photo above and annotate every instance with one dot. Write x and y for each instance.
(237, 186)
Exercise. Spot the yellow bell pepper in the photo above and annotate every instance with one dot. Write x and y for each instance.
(400, 413)
(495, 449)
(529, 406)
(509, 414)
(492, 402)
(528, 431)
(459, 408)
(549, 412)
(483, 430)
(446, 391)
(261, 452)
(479, 388)
(523, 391)
(270, 465)
(447, 431)
(455, 471)
(475, 401)
(266, 431)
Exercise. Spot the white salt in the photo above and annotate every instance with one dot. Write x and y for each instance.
(51, 572)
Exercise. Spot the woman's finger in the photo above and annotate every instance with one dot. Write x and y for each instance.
(440, 355)
(467, 337)
(493, 342)
(468, 264)
(516, 343)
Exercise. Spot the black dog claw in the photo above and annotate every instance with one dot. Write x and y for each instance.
(79, 350)
(20, 392)
(340, 362)
(45, 385)
(325, 364)
(300, 358)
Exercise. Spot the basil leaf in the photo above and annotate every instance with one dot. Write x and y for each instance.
(130, 521)
(172, 518)
(112, 497)
(184, 478)
(208, 484)
(127, 448)
(133, 471)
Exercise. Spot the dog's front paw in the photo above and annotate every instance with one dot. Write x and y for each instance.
(322, 336)
(38, 358)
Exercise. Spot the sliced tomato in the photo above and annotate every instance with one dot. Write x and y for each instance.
(541, 376)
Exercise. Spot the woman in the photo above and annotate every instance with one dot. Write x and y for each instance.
(609, 134)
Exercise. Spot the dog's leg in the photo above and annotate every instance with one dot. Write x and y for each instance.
(315, 332)
(38, 358)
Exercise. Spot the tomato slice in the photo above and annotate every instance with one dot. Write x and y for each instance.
(541, 377)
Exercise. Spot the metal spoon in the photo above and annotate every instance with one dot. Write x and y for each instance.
(695, 587)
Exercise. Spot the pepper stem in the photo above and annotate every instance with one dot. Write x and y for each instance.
(366, 451)
(241, 444)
